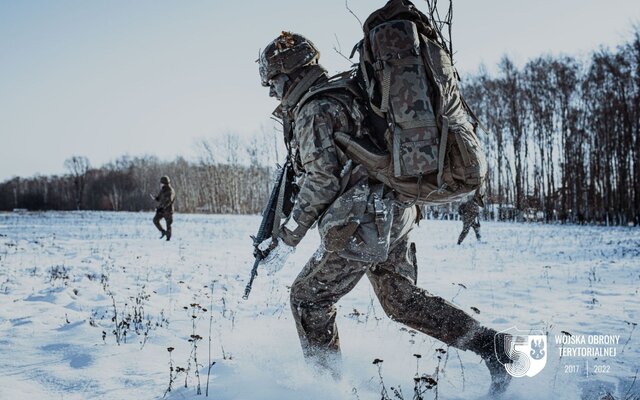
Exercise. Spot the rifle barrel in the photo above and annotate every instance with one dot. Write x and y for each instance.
(254, 273)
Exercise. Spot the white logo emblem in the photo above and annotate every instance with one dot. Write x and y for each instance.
(526, 351)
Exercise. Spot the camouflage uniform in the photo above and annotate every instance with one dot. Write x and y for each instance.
(332, 272)
(165, 200)
(363, 230)
(469, 212)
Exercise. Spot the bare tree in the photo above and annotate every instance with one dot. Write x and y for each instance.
(78, 167)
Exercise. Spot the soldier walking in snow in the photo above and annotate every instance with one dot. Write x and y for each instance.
(165, 200)
(469, 213)
(363, 230)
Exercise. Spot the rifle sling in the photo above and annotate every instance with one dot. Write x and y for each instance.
(279, 212)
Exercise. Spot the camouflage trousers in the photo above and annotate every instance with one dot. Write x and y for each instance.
(465, 230)
(168, 218)
(327, 277)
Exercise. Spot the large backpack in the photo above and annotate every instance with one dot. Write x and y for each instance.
(430, 152)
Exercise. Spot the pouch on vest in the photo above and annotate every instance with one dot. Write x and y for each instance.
(357, 226)
(371, 240)
(338, 224)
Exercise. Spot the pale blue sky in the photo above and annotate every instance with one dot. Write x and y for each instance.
(108, 78)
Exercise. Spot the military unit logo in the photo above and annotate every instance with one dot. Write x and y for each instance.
(526, 350)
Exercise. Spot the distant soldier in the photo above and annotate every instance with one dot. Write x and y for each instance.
(469, 212)
(165, 200)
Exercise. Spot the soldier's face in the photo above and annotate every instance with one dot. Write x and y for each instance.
(277, 86)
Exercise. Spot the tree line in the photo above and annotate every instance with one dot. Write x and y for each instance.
(564, 135)
(229, 176)
(562, 143)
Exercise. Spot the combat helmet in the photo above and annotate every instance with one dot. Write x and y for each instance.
(165, 180)
(285, 54)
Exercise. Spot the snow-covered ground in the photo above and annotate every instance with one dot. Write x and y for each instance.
(74, 284)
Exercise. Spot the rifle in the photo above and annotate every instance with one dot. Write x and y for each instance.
(278, 207)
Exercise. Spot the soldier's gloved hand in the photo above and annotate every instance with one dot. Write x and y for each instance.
(265, 247)
(278, 254)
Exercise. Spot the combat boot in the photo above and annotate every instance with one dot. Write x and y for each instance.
(490, 345)
(163, 234)
(500, 378)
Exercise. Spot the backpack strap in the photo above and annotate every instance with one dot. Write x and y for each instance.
(474, 116)
(340, 82)
(315, 72)
(370, 87)
(443, 148)
(386, 89)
